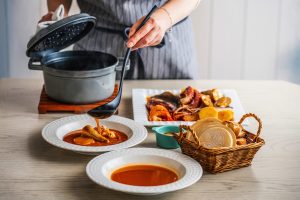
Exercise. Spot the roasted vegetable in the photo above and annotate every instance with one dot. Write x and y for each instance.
(223, 102)
(226, 115)
(208, 112)
(214, 94)
(206, 101)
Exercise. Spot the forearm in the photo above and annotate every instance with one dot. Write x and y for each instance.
(53, 4)
(179, 9)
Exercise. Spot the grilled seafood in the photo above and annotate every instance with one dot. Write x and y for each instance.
(166, 99)
(169, 97)
(186, 113)
(197, 100)
(102, 130)
(159, 113)
(89, 131)
(187, 105)
(187, 95)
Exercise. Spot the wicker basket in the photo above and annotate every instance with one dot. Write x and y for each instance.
(216, 160)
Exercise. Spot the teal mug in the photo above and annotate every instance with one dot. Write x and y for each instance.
(164, 140)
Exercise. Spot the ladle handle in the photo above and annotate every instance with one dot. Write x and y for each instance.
(123, 72)
(127, 55)
(155, 7)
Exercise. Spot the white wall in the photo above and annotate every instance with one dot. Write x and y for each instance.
(236, 39)
(248, 39)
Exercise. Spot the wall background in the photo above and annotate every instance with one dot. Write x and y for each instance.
(236, 39)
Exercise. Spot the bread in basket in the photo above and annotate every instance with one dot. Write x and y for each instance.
(216, 160)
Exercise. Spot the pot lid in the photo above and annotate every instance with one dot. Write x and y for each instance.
(60, 35)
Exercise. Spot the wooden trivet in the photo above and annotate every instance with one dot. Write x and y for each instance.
(47, 104)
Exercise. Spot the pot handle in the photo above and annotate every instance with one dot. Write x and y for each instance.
(35, 64)
(120, 64)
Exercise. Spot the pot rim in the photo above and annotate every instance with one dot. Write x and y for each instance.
(47, 60)
(79, 74)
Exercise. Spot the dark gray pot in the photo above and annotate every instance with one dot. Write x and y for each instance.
(79, 77)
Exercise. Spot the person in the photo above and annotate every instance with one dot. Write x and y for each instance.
(168, 35)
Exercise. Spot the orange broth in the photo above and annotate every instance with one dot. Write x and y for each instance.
(144, 175)
(121, 137)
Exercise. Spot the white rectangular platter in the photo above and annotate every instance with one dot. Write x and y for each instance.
(140, 112)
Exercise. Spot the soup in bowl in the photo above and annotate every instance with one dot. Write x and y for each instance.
(144, 171)
(65, 132)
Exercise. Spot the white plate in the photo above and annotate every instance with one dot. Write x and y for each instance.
(54, 132)
(140, 112)
(100, 168)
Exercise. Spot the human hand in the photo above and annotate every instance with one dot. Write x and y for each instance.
(152, 33)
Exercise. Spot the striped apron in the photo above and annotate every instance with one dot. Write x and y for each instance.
(173, 60)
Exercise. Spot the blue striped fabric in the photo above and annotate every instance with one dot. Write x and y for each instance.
(175, 60)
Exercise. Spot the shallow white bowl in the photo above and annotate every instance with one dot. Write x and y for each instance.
(101, 167)
(54, 132)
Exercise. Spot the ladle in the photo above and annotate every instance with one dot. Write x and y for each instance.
(108, 109)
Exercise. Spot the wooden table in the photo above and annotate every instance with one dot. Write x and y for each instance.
(30, 168)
